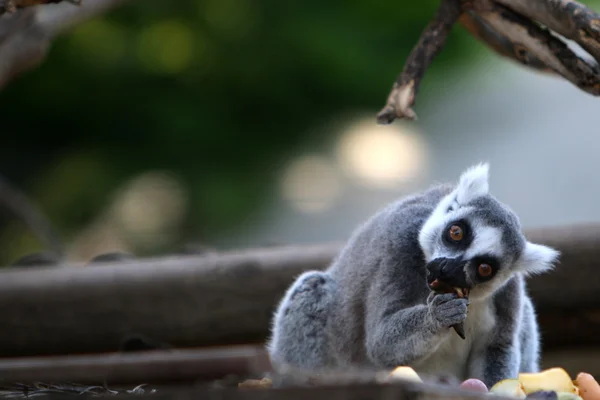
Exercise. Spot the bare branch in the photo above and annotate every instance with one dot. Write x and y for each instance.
(26, 35)
(569, 18)
(431, 42)
(514, 29)
(543, 45)
(498, 42)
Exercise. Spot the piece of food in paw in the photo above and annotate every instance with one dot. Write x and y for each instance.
(589, 389)
(542, 395)
(461, 292)
(556, 379)
(474, 385)
(460, 329)
(509, 387)
(441, 287)
(405, 373)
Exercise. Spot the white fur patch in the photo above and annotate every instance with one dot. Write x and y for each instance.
(473, 183)
(537, 258)
(453, 353)
(431, 228)
(486, 240)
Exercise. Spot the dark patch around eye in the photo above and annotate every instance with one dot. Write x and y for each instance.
(466, 239)
(485, 259)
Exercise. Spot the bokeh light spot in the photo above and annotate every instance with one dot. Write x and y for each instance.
(311, 184)
(381, 155)
(151, 207)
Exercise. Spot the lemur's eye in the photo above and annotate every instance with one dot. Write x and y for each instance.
(484, 270)
(456, 233)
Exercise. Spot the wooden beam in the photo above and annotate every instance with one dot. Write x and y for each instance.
(185, 301)
(165, 370)
(229, 298)
(202, 373)
(153, 367)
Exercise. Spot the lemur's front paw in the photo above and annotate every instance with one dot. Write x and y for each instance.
(447, 309)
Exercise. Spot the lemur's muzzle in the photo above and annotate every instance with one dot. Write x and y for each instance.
(447, 275)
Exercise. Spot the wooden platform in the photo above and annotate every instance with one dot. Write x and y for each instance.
(68, 324)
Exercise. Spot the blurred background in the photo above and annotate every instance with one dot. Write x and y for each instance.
(236, 123)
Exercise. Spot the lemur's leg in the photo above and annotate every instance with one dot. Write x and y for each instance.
(300, 336)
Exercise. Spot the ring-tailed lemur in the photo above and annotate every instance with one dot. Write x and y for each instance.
(375, 306)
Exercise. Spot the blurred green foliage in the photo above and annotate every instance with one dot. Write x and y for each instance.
(220, 92)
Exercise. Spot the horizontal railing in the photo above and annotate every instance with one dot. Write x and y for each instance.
(229, 298)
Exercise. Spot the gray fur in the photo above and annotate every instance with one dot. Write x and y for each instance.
(373, 308)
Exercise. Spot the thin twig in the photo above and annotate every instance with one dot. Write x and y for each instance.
(20, 205)
(431, 42)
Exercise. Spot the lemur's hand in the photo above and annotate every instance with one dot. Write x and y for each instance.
(447, 309)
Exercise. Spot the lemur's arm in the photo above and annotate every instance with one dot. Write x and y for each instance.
(397, 333)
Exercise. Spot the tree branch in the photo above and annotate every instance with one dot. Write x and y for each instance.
(498, 41)
(513, 29)
(26, 35)
(569, 18)
(543, 45)
(431, 42)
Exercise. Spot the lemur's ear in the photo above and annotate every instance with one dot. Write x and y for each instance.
(473, 183)
(537, 258)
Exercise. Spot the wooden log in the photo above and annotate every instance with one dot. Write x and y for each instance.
(229, 298)
(185, 301)
(154, 367)
(198, 373)
(575, 282)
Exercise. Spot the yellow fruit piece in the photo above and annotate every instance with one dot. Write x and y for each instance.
(509, 387)
(406, 373)
(556, 379)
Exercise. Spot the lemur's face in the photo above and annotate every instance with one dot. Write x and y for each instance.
(473, 243)
(468, 254)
